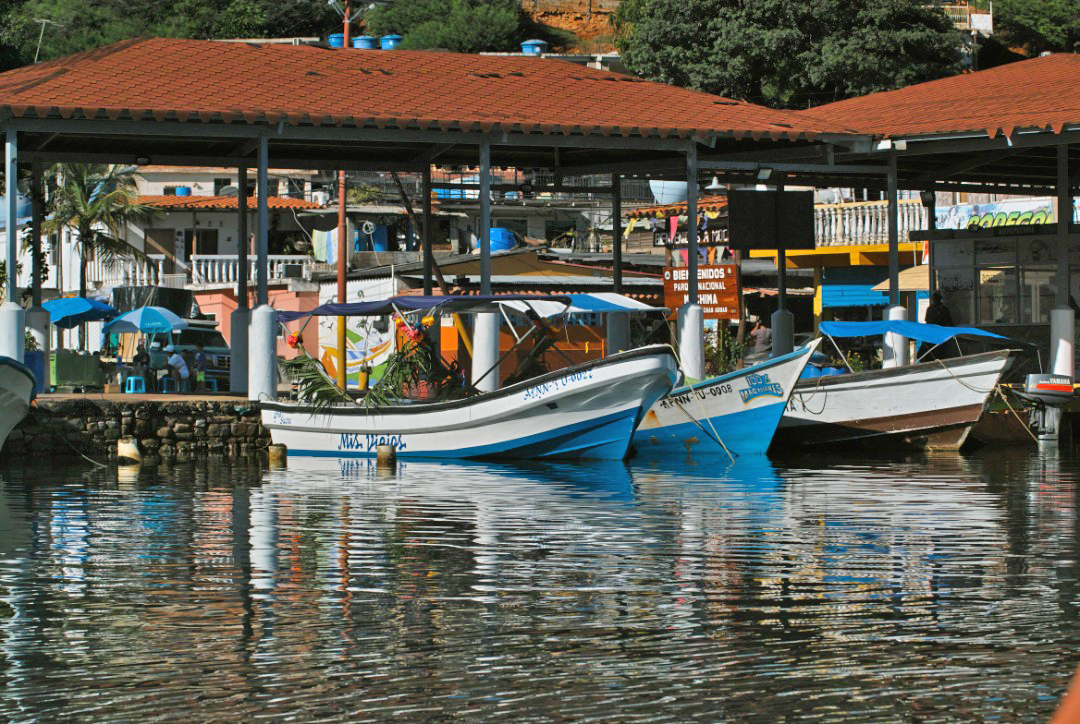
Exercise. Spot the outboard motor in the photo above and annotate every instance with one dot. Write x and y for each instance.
(1050, 393)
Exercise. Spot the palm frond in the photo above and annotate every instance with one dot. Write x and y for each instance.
(313, 385)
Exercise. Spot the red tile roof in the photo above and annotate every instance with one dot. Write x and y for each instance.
(177, 203)
(1040, 93)
(705, 203)
(214, 82)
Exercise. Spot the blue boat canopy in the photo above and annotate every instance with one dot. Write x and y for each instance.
(452, 304)
(931, 333)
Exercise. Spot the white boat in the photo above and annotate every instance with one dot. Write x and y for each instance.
(584, 411)
(16, 390)
(931, 404)
(736, 413)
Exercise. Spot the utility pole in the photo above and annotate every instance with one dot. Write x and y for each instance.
(343, 251)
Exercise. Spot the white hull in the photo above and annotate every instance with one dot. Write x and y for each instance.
(16, 391)
(931, 404)
(737, 411)
(585, 411)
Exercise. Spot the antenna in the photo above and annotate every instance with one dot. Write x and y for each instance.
(44, 22)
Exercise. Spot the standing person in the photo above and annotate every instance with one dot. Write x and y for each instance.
(762, 337)
(937, 312)
(178, 368)
(199, 365)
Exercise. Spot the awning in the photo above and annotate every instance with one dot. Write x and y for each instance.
(452, 304)
(932, 333)
(913, 279)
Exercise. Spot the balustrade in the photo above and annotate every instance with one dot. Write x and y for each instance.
(865, 222)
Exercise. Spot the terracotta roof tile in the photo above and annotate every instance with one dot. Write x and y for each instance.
(1036, 93)
(197, 80)
(221, 202)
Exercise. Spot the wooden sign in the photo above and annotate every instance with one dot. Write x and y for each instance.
(717, 293)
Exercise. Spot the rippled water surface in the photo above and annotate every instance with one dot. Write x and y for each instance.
(939, 588)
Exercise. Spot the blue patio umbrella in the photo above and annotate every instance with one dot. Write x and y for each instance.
(71, 311)
(148, 320)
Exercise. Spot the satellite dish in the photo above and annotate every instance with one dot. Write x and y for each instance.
(229, 191)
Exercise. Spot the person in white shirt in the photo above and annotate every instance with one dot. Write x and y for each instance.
(178, 368)
(762, 337)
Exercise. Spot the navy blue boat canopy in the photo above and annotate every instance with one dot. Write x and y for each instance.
(463, 304)
(931, 333)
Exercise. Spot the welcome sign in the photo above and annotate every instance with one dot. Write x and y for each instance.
(717, 293)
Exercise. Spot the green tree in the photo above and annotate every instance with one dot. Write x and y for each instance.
(787, 53)
(96, 202)
(465, 26)
(1037, 26)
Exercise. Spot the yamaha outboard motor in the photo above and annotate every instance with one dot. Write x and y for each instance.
(1050, 393)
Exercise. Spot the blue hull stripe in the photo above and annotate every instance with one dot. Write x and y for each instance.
(604, 438)
(746, 431)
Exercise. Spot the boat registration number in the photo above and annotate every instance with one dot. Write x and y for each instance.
(561, 383)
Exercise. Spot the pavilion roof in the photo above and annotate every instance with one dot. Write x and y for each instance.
(200, 81)
(220, 203)
(1039, 93)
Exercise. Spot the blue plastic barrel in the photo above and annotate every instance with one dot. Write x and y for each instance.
(810, 372)
(183, 191)
(502, 239)
(366, 42)
(534, 47)
(389, 42)
(337, 40)
(833, 371)
(35, 360)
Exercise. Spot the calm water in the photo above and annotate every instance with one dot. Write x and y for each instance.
(939, 588)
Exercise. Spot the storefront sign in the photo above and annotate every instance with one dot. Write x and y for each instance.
(717, 293)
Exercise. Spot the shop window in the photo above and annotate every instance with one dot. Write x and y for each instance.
(997, 296)
(957, 289)
(1038, 294)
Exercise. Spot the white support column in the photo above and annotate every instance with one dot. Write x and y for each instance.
(1062, 317)
(262, 339)
(12, 317)
(485, 326)
(691, 317)
(894, 348)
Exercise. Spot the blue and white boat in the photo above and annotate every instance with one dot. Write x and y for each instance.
(736, 413)
(17, 385)
(586, 411)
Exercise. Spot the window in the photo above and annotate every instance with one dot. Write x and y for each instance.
(957, 286)
(294, 188)
(997, 295)
(170, 190)
(220, 183)
(1038, 294)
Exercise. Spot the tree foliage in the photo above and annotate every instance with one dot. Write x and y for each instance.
(1037, 26)
(787, 53)
(465, 26)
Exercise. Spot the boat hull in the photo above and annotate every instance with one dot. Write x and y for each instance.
(585, 411)
(16, 390)
(930, 405)
(741, 410)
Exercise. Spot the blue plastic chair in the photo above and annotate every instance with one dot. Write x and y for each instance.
(211, 384)
(168, 384)
(135, 385)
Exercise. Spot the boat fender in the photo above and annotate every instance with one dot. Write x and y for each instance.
(127, 451)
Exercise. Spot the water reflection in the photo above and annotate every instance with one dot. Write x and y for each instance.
(937, 587)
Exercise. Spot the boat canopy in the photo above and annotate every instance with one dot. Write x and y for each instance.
(596, 303)
(456, 304)
(930, 333)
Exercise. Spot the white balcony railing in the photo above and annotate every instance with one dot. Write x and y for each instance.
(225, 268)
(128, 272)
(865, 222)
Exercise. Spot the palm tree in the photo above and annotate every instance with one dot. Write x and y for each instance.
(97, 202)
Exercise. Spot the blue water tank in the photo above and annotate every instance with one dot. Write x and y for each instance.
(534, 47)
(833, 371)
(337, 40)
(366, 42)
(810, 372)
(35, 360)
(502, 239)
(389, 42)
(183, 191)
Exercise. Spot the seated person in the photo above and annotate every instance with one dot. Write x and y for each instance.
(140, 363)
(176, 365)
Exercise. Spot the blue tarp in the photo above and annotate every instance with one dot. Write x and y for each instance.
(455, 304)
(932, 333)
(68, 312)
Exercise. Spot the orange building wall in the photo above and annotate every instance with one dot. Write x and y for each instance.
(221, 303)
(578, 343)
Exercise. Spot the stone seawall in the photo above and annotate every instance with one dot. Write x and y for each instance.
(89, 427)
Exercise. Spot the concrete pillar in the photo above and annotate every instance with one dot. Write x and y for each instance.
(894, 233)
(894, 348)
(262, 246)
(485, 351)
(262, 354)
(782, 323)
(691, 321)
(1062, 334)
(428, 233)
(12, 317)
(618, 332)
(239, 321)
(37, 319)
(616, 239)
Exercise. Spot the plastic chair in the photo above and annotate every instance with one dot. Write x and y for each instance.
(211, 384)
(168, 384)
(135, 385)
